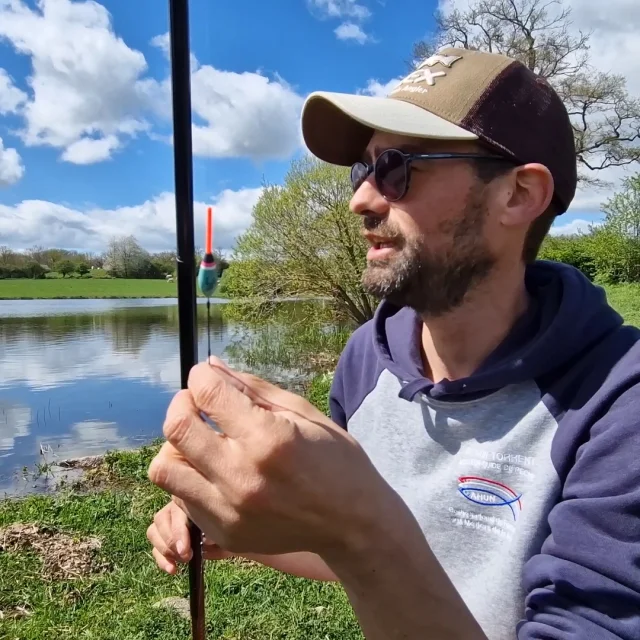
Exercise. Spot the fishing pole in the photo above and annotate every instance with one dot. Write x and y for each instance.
(185, 257)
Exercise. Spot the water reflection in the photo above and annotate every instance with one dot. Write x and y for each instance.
(89, 379)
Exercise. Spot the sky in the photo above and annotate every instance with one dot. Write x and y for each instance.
(85, 105)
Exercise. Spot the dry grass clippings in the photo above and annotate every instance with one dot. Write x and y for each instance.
(64, 556)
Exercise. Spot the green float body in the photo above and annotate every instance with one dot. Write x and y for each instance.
(208, 275)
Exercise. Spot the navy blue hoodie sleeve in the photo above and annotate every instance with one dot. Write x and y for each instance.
(355, 375)
(336, 397)
(585, 583)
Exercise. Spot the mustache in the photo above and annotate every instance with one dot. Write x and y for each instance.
(381, 227)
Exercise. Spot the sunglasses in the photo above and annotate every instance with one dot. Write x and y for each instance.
(392, 170)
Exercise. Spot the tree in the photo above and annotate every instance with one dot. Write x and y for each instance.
(125, 258)
(622, 211)
(6, 255)
(82, 267)
(34, 270)
(606, 121)
(304, 241)
(65, 267)
(615, 245)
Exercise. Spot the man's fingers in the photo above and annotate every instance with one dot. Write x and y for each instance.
(189, 435)
(155, 538)
(267, 395)
(216, 395)
(164, 563)
(169, 533)
(170, 471)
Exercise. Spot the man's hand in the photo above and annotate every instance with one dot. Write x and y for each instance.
(279, 478)
(169, 535)
(282, 478)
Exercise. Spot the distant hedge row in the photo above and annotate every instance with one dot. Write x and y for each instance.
(602, 255)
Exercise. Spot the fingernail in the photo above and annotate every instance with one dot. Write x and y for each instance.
(180, 547)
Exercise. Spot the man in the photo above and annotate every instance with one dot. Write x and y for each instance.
(480, 476)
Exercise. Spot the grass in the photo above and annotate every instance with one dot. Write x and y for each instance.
(625, 298)
(244, 601)
(54, 288)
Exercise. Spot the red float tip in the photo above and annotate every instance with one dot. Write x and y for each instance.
(209, 236)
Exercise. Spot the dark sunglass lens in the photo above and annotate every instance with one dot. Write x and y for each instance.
(358, 175)
(391, 174)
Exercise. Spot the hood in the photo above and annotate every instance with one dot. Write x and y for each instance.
(567, 314)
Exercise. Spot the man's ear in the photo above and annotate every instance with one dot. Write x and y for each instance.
(526, 194)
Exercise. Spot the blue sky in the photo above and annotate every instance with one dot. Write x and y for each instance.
(85, 119)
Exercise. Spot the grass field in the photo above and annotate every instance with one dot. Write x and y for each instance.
(109, 594)
(85, 288)
(625, 298)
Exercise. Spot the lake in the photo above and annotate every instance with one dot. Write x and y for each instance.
(79, 377)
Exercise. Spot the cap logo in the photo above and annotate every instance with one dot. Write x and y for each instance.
(424, 75)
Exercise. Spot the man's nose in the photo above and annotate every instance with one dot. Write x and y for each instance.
(367, 200)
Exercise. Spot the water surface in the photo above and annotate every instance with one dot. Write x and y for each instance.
(79, 377)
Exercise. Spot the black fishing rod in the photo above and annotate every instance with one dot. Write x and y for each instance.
(183, 168)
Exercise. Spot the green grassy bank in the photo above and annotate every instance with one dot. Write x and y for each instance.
(79, 566)
(25, 289)
(54, 288)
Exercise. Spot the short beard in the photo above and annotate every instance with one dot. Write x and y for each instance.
(434, 283)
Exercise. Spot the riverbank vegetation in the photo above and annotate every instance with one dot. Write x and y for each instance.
(124, 257)
(77, 564)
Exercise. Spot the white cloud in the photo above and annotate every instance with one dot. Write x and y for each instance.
(11, 167)
(11, 98)
(351, 31)
(246, 114)
(90, 92)
(153, 222)
(84, 81)
(379, 89)
(575, 226)
(235, 114)
(89, 150)
(339, 9)
(351, 12)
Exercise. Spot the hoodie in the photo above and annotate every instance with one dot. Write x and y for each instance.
(525, 476)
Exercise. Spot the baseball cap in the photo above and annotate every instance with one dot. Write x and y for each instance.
(456, 94)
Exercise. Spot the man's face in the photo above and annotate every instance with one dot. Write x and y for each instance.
(429, 249)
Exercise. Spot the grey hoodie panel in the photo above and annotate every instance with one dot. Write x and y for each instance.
(478, 477)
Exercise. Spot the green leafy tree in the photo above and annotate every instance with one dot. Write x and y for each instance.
(606, 120)
(615, 245)
(304, 241)
(34, 270)
(65, 267)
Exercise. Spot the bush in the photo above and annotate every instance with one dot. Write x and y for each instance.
(28, 270)
(575, 250)
(616, 257)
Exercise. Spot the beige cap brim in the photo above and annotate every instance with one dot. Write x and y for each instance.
(337, 127)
